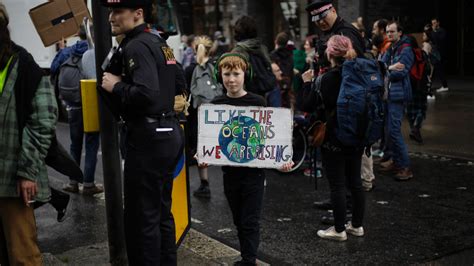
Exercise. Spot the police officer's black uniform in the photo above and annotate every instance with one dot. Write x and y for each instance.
(340, 27)
(153, 145)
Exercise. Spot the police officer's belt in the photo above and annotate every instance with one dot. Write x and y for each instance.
(152, 118)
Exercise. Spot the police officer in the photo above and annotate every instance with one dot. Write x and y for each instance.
(144, 91)
(324, 16)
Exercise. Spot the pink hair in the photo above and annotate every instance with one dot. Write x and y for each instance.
(340, 46)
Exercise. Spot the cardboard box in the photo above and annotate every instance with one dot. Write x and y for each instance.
(58, 19)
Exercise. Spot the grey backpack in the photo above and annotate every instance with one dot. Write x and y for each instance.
(69, 79)
(203, 85)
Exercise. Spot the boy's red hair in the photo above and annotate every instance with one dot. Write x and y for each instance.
(233, 62)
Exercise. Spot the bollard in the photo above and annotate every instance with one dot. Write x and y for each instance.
(90, 105)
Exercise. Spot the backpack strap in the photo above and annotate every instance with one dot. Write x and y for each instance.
(317, 89)
(73, 61)
(401, 47)
(321, 108)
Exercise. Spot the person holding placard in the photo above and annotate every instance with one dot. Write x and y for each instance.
(243, 186)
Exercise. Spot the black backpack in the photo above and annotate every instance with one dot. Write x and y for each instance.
(69, 79)
(263, 79)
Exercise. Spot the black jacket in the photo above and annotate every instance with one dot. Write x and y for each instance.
(330, 87)
(284, 59)
(342, 27)
(149, 74)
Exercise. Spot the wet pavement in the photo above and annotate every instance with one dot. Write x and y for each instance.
(417, 221)
(86, 221)
(449, 128)
(426, 220)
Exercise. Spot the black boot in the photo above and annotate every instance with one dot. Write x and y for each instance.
(59, 201)
(415, 135)
(203, 191)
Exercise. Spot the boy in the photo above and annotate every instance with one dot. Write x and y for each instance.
(243, 186)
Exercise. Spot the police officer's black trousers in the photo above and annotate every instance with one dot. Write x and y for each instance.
(151, 157)
(245, 196)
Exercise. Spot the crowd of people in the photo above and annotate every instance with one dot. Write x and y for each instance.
(411, 65)
(307, 79)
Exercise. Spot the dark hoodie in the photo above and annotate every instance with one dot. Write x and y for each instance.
(263, 79)
(284, 59)
(252, 46)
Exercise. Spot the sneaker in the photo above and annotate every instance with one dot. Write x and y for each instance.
(308, 172)
(72, 188)
(355, 231)
(95, 189)
(442, 89)
(430, 97)
(331, 234)
(202, 192)
(404, 174)
(378, 153)
(367, 187)
(319, 174)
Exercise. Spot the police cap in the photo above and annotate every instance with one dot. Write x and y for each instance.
(319, 9)
(126, 3)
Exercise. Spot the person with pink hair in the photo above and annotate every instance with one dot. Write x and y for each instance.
(341, 163)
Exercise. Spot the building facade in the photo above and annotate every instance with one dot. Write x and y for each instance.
(273, 16)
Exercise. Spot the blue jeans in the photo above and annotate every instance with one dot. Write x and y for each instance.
(395, 137)
(386, 142)
(76, 131)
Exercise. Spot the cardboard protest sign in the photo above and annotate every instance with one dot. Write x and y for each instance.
(259, 137)
(58, 19)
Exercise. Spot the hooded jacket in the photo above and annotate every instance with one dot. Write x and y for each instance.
(77, 49)
(252, 46)
(263, 79)
(284, 58)
(28, 113)
(399, 81)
